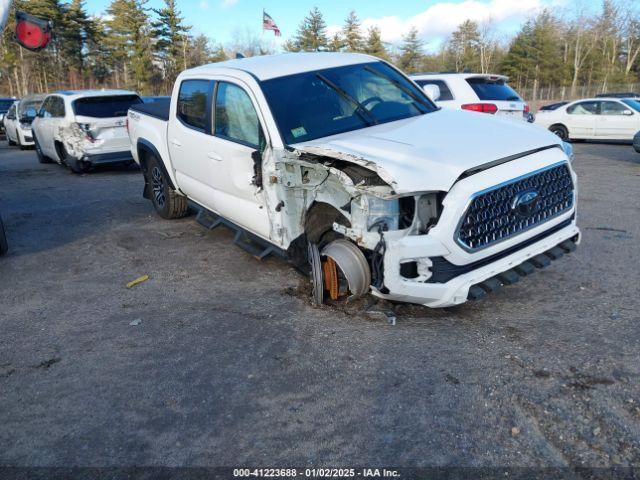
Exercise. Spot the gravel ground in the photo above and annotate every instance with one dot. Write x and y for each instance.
(219, 359)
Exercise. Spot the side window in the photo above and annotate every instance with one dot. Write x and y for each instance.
(45, 109)
(584, 108)
(235, 117)
(193, 99)
(445, 91)
(613, 108)
(53, 107)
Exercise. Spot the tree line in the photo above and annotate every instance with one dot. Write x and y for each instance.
(144, 49)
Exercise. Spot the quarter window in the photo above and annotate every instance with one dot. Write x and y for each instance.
(584, 108)
(235, 117)
(193, 99)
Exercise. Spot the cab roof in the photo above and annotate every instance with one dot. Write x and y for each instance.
(266, 67)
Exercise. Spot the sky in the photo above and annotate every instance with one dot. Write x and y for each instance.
(221, 20)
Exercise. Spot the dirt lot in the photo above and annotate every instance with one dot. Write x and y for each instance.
(218, 359)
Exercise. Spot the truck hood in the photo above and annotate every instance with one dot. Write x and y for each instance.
(430, 152)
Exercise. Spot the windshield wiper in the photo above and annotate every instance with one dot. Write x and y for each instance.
(364, 114)
(402, 87)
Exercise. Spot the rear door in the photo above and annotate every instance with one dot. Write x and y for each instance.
(617, 121)
(103, 118)
(495, 90)
(189, 141)
(44, 125)
(581, 119)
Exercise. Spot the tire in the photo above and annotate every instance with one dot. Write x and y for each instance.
(167, 202)
(11, 142)
(561, 131)
(4, 247)
(42, 158)
(76, 166)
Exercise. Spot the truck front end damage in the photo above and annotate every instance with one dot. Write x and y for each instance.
(435, 248)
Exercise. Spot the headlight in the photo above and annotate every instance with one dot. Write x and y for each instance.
(568, 149)
(427, 210)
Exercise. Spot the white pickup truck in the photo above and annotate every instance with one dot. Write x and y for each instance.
(342, 164)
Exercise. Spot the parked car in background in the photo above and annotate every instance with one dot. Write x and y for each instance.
(340, 161)
(84, 128)
(636, 142)
(475, 92)
(619, 95)
(19, 118)
(593, 119)
(5, 105)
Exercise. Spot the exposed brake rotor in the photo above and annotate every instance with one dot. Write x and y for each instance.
(317, 282)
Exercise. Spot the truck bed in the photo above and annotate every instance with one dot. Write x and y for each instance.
(158, 109)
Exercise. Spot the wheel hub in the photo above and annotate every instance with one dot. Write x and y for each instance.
(158, 186)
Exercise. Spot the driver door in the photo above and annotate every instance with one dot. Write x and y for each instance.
(237, 136)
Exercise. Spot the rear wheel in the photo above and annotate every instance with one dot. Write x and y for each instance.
(76, 166)
(167, 202)
(561, 131)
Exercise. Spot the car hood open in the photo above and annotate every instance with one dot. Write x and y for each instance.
(430, 152)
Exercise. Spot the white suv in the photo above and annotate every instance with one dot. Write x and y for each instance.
(475, 92)
(84, 128)
(18, 120)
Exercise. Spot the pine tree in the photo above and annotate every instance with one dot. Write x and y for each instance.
(171, 41)
(352, 34)
(374, 44)
(464, 48)
(311, 35)
(411, 55)
(129, 39)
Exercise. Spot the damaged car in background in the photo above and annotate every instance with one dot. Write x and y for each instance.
(343, 165)
(84, 128)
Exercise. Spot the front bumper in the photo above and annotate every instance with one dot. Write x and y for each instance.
(108, 158)
(456, 290)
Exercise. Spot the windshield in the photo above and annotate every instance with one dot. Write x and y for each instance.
(29, 108)
(635, 104)
(5, 105)
(490, 89)
(326, 102)
(105, 107)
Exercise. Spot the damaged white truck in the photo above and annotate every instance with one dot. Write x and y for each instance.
(344, 166)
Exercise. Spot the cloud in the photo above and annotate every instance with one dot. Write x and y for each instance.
(440, 19)
(229, 3)
(204, 5)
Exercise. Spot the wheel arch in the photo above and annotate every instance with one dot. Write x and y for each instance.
(146, 148)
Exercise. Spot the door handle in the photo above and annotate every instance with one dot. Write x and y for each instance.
(175, 142)
(214, 156)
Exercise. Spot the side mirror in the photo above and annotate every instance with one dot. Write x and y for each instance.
(432, 91)
(627, 112)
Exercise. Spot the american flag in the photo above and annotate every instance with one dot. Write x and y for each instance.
(269, 24)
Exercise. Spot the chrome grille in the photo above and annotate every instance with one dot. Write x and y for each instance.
(495, 214)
